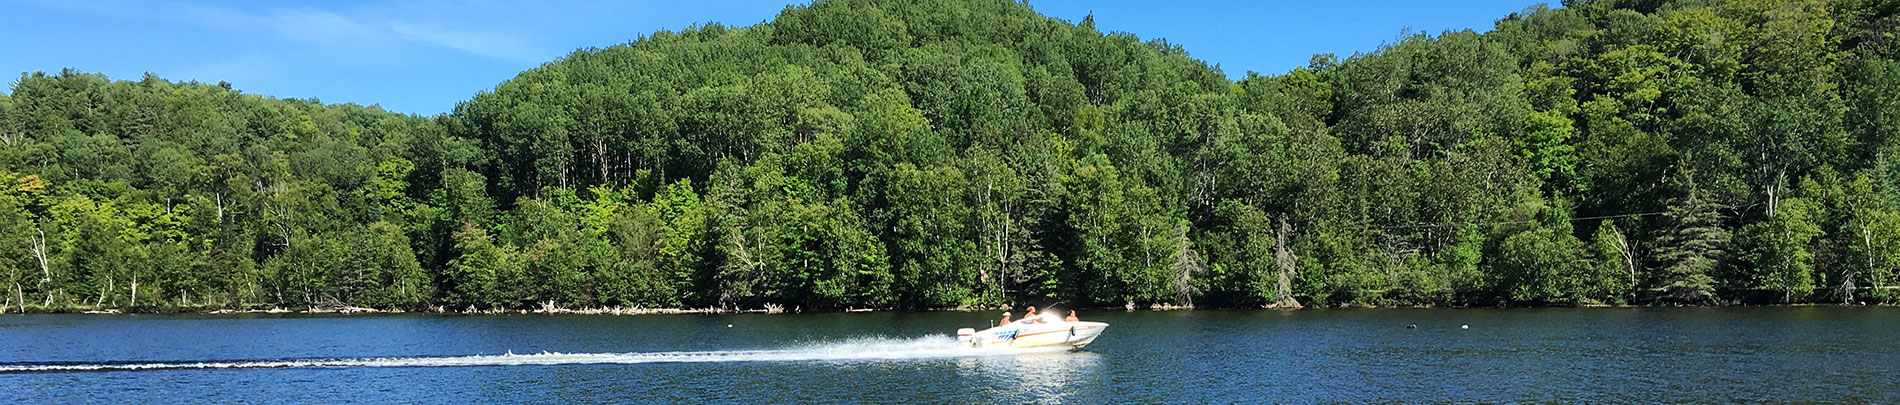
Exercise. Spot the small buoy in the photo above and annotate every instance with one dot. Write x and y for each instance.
(1464, 326)
(728, 325)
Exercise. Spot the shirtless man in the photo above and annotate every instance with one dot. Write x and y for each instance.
(1030, 315)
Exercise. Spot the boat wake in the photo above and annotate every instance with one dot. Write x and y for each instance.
(862, 349)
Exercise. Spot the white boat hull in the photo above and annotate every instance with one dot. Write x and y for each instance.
(1074, 335)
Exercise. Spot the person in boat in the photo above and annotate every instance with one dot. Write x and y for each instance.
(1005, 318)
(1072, 317)
(1029, 316)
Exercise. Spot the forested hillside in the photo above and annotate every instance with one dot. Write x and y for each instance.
(870, 154)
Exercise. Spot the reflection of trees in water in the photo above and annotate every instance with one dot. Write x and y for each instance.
(1038, 377)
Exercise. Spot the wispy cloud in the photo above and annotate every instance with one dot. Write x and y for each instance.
(319, 27)
(415, 24)
(350, 28)
(488, 44)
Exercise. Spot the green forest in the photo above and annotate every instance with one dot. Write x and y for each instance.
(974, 153)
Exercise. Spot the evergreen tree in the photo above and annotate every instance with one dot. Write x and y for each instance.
(1691, 247)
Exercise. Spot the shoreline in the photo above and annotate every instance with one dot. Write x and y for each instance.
(625, 311)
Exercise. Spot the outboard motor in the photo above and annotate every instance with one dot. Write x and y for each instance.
(965, 334)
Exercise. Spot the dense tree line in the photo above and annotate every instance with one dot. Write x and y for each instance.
(973, 152)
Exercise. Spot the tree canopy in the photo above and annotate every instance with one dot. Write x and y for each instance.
(946, 153)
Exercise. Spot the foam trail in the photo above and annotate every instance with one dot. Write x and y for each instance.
(849, 350)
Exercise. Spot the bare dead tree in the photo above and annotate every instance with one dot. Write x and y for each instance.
(1628, 251)
(218, 198)
(1286, 267)
(749, 266)
(1867, 245)
(1187, 265)
(38, 244)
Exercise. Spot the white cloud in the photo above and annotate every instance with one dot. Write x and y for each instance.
(420, 24)
(352, 28)
(488, 44)
(320, 27)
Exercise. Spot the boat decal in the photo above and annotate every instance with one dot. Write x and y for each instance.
(1037, 333)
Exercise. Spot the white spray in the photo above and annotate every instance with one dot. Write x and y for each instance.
(862, 349)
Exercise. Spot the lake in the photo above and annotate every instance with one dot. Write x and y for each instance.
(1773, 354)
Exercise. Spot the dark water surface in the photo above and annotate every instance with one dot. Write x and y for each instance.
(1793, 354)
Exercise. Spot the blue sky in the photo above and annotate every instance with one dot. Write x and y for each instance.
(423, 56)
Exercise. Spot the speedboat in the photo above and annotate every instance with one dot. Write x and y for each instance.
(1046, 330)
